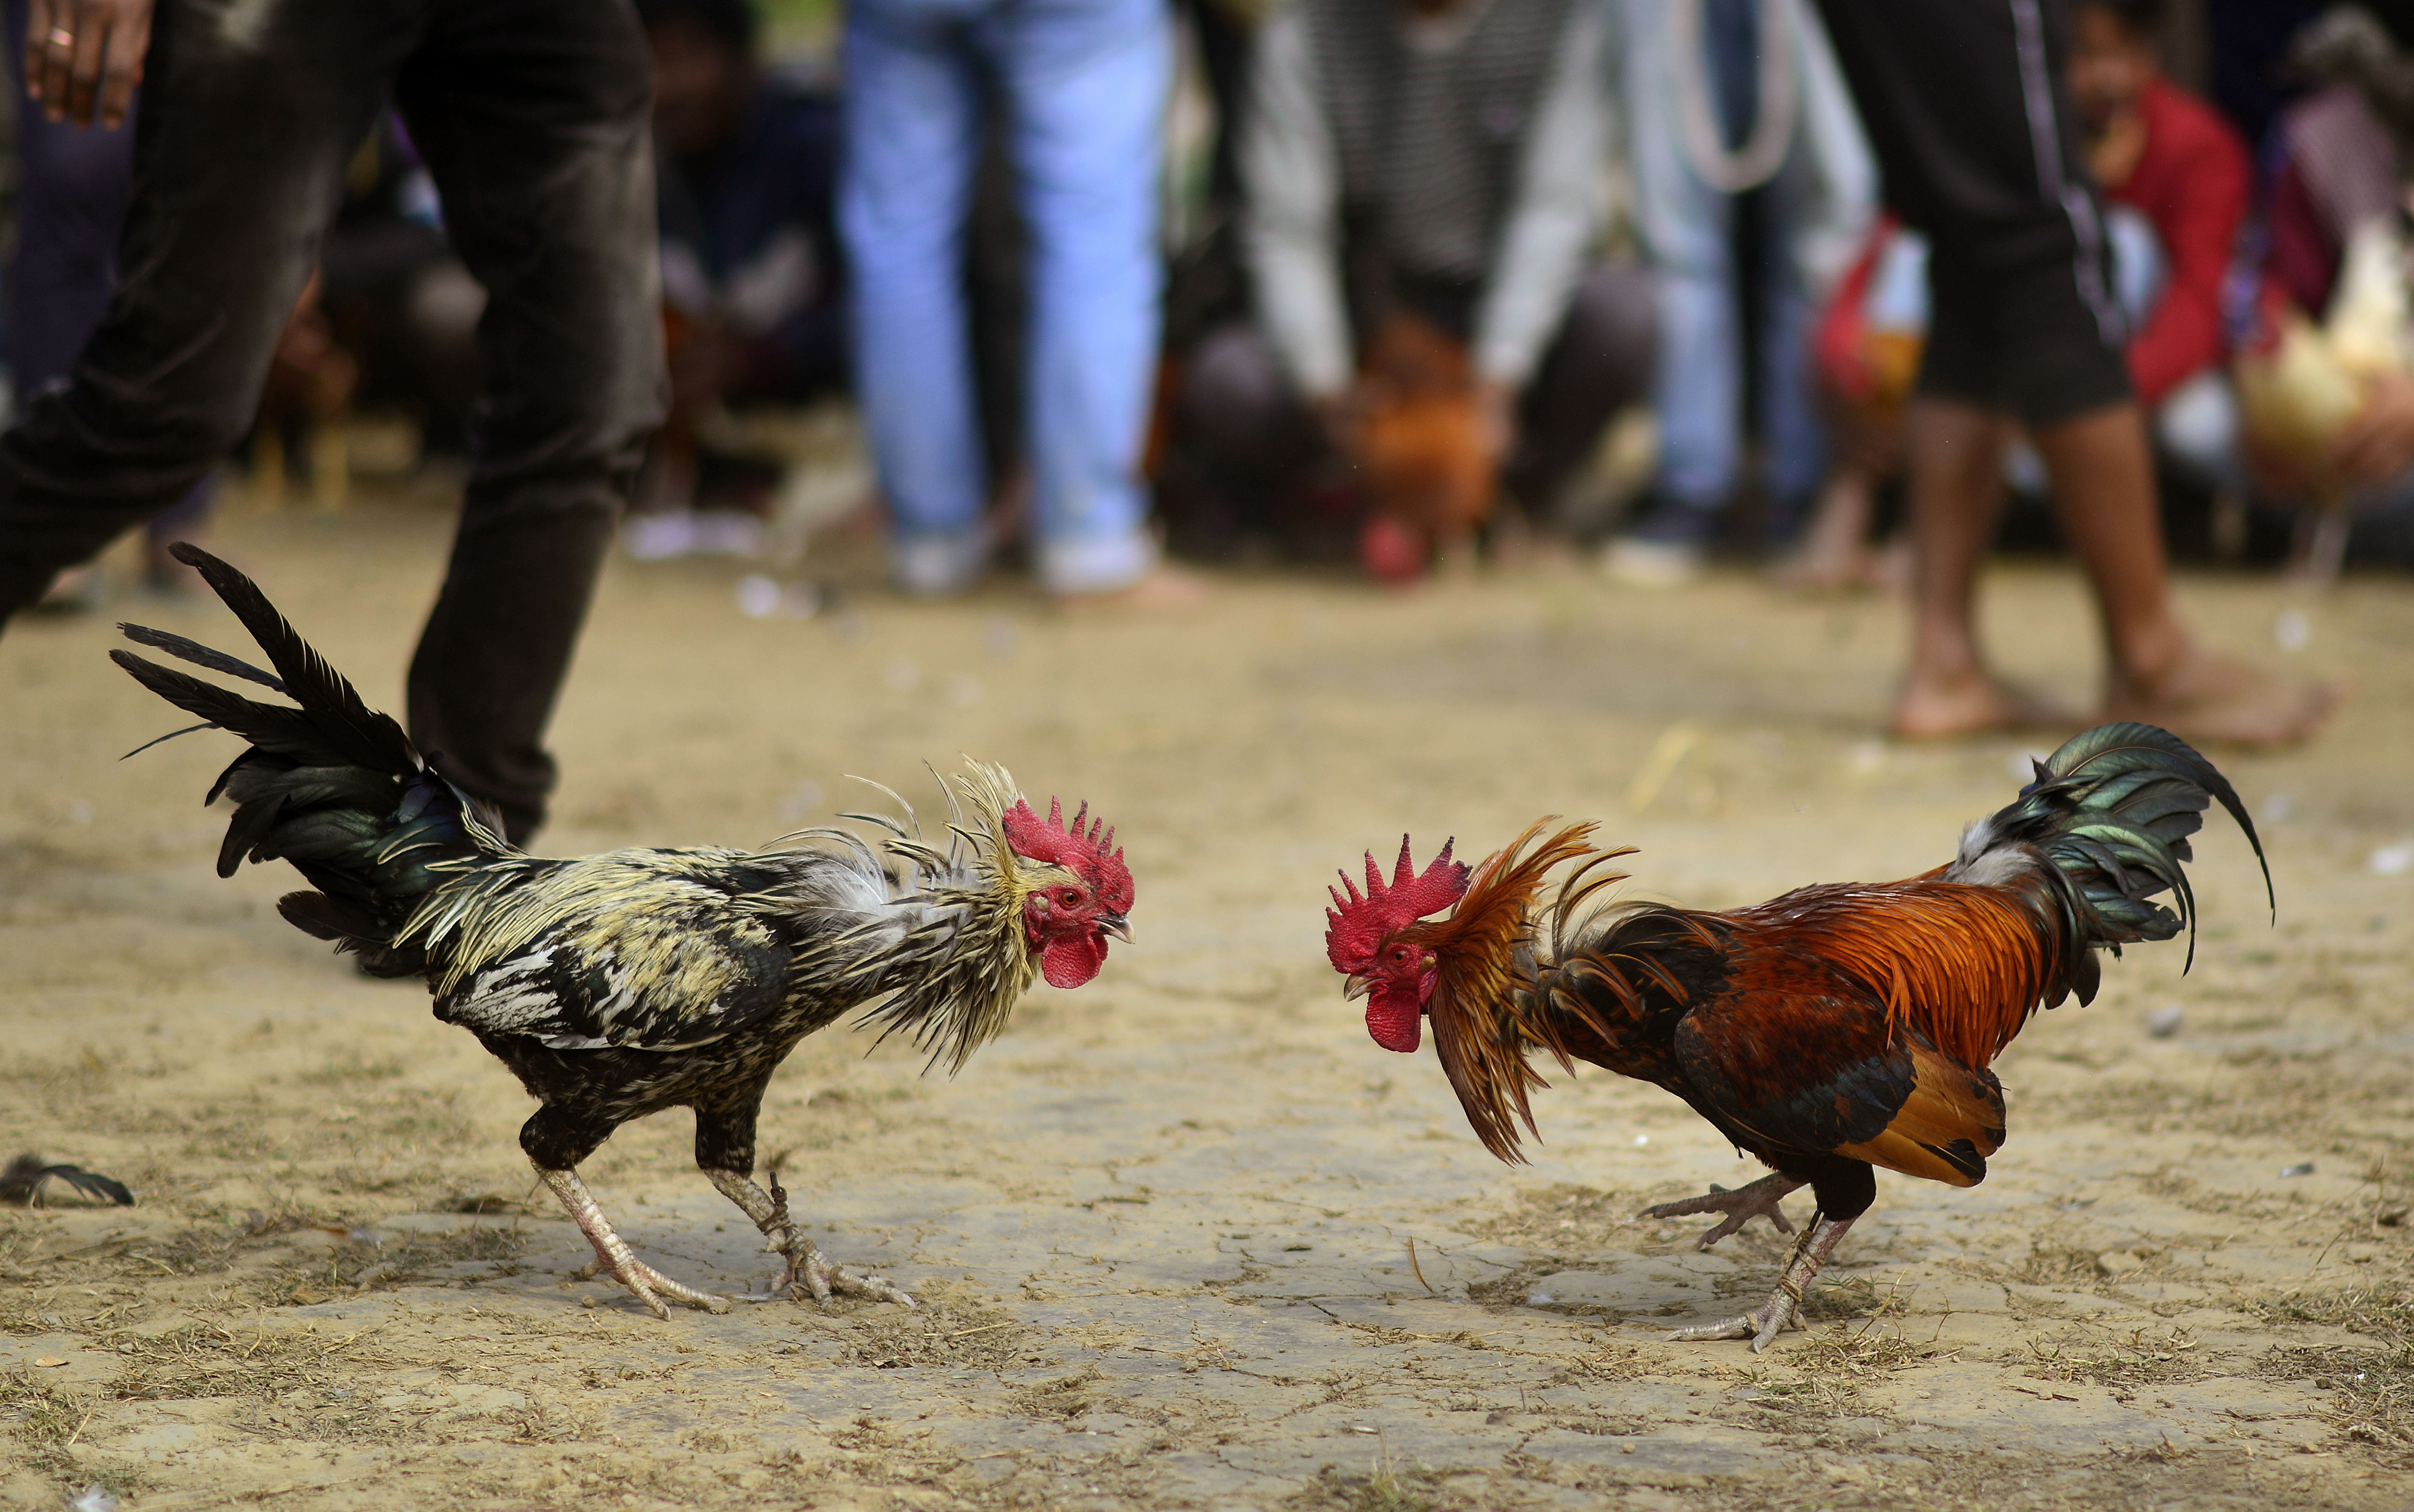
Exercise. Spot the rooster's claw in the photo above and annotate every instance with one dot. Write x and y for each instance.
(650, 1286)
(1757, 1200)
(1761, 1326)
(823, 1278)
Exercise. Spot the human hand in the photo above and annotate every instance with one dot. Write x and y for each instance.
(84, 58)
(2378, 443)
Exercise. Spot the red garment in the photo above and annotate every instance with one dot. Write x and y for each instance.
(2191, 181)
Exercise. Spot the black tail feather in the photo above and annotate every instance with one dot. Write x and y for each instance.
(360, 734)
(268, 726)
(325, 918)
(202, 656)
(248, 831)
(331, 787)
(161, 740)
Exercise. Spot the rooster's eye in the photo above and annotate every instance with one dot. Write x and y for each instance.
(1071, 897)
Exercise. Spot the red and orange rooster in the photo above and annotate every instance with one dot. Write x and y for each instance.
(1827, 1032)
(620, 984)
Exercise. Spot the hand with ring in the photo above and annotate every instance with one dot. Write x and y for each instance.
(84, 58)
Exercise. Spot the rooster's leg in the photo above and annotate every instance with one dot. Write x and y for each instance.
(1758, 1200)
(1763, 1326)
(613, 1256)
(805, 1260)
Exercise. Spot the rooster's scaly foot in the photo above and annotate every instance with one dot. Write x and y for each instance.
(1784, 1305)
(613, 1256)
(1761, 1326)
(651, 1286)
(824, 1277)
(806, 1263)
(1741, 1206)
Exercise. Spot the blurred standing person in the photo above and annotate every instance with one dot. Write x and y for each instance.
(531, 116)
(1083, 84)
(72, 180)
(2165, 155)
(750, 251)
(1424, 204)
(1980, 151)
(1747, 163)
(2177, 182)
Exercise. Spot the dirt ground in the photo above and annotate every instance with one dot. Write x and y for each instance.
(1186, 1237)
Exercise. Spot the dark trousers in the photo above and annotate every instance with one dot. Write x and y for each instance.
(1965, 103)
(1249, 436)
(532, 115)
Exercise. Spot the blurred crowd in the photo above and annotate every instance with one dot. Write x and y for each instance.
(1396, 282)
(1395, 285)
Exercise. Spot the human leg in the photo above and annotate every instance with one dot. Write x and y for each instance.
(1955, 455)
(532, 115)
(1795, 439)
(1965, 109)
(1086, 83)
(912, 127)
(71, 190)
(1698, 393)
(2102, 470)
(220, 229)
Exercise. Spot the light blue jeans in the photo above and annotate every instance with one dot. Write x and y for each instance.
(1083, 87)
(1701, 366)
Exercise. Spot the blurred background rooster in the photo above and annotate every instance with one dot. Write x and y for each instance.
(619, 984)
(1827, 1032)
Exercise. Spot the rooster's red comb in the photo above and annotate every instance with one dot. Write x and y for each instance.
(1091, 856)
(1357, 925)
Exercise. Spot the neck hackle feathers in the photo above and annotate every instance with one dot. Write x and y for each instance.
(1357, 924)
(1089, 853)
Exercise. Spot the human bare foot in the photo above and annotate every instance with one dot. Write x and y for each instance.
(1166, 587)
(1889, 568)
(1833, 554)
(2212, 700)
(1826, 567)
(1934, 707)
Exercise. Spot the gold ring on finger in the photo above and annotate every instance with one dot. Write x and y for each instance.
(60, 36)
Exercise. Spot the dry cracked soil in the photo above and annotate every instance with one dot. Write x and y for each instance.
(1186, 1238)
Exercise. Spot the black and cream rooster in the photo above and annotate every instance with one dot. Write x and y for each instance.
(617, 985)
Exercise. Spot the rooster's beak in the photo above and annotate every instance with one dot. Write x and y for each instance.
(1357, 988)
(1115, 925)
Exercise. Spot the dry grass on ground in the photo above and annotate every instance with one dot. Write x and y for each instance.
(1186, 1238)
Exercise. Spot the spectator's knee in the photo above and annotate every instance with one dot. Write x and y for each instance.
(1234, 388)
(1615, 315)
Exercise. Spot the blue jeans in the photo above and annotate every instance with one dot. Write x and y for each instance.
(1083, 83)
(1700, 402)
(1692, 232)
